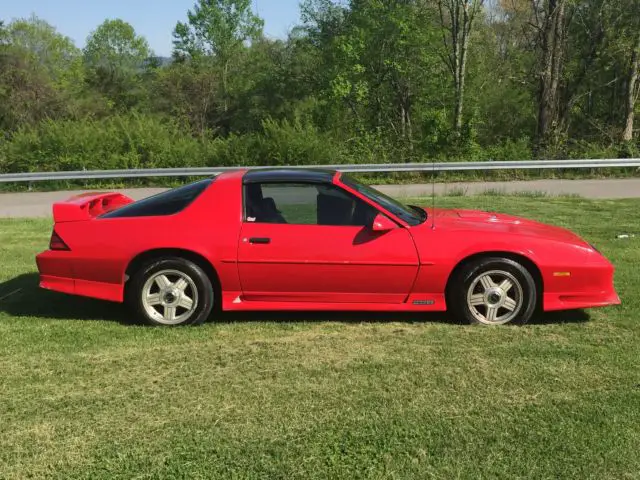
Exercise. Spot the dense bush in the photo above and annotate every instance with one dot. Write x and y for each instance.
(143, 141)
(147, 141)
(131, 141)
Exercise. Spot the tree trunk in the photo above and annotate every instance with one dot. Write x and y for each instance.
(404, 110)
(456, 17)
(462, 68)
(225, 78)
(407, 128)
(631, 93)
(455, 45)
(551, 71)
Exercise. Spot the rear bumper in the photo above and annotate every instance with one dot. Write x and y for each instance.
(56, 273)
(57, 284)
(57, 264)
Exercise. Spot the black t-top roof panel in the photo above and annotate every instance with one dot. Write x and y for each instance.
(281, 175)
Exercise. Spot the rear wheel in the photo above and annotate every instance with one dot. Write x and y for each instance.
(171, 292)
(493, 291)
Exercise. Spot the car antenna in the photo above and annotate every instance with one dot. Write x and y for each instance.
(433, 193)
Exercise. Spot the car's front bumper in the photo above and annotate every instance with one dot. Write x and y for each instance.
(589, 285)
(574, 301)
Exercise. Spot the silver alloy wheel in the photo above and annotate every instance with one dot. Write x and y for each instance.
(170, 297)
(495, 297)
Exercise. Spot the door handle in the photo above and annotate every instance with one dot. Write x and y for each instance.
(260, 240)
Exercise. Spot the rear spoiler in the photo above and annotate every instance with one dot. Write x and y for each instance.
(87, 206)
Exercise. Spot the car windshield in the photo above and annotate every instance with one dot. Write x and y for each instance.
(412, 215)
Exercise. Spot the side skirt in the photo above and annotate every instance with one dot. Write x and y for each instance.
(232, 301)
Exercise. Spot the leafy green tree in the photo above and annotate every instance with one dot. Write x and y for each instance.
(624, 42)
(42, 45)
(379, 65)
(500, 96)
(218, 29)
(41, 73)
(457, 19)
(189, 92)
(115, 58)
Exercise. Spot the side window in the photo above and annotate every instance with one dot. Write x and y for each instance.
(305, 204)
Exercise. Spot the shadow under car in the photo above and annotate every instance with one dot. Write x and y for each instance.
(22, 297)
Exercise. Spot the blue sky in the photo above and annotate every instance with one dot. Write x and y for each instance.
(154, 20)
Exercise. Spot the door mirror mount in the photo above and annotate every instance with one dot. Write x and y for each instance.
(382, 223)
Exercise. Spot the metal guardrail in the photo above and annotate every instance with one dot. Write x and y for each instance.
(365, 168)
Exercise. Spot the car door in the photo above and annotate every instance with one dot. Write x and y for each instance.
(305, 242)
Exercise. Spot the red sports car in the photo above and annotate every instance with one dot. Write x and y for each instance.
(290, 239)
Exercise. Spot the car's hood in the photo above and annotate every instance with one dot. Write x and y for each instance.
(479, 221)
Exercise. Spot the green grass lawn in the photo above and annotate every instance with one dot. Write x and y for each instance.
(332, 395)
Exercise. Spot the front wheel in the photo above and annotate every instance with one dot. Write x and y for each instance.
(171, 292)
(493, 291)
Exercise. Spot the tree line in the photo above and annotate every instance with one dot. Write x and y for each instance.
(356, 81)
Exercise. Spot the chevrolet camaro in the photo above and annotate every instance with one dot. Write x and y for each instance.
(294, 239)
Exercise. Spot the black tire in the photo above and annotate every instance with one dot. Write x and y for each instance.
(475, 295)
(199, 290)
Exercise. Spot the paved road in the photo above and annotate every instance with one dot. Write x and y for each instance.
(38, 204)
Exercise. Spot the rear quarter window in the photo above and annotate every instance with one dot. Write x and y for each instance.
(166, 203)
